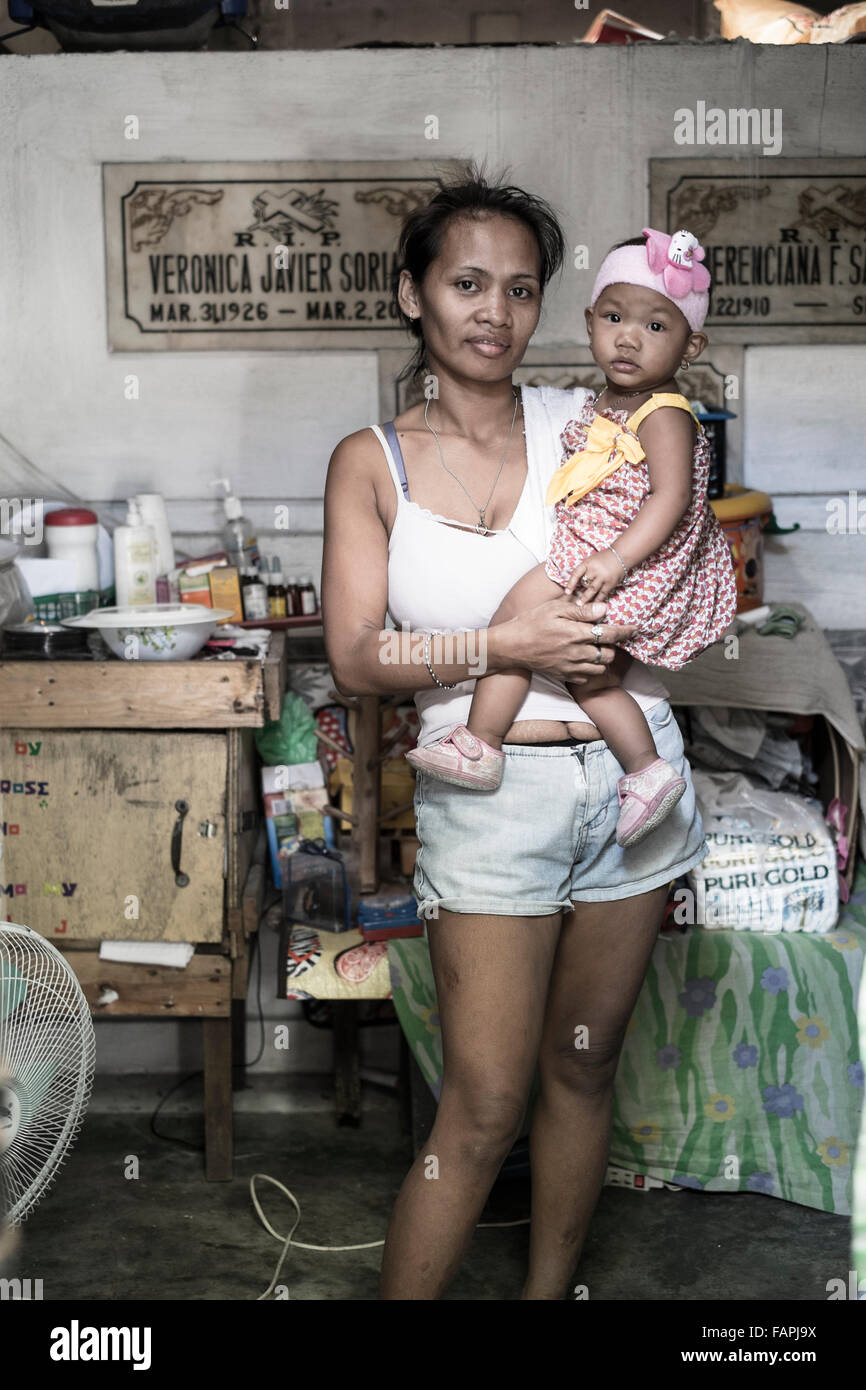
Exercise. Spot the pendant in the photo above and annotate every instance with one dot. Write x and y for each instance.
(481, 527)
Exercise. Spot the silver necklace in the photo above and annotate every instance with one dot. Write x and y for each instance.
(481, 527)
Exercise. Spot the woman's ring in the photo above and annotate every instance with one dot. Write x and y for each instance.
(596, 632)
(598, 654)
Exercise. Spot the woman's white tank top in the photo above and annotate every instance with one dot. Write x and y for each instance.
(444, 579)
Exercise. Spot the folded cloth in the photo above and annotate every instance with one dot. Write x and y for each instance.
(313, 681)
(175, 953)
(782, 622)
(741, 730)
(775, 762)
(718, 745)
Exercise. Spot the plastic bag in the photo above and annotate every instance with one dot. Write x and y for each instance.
(771, 864)
(291, 738)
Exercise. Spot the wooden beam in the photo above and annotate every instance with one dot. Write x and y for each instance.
(120, 694)
(217, 1042)
(201, 990)
(274, 674)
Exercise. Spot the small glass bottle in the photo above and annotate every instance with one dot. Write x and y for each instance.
(309, 602)
(255, 595)
(244, 580)
(276, 591)
(293, 601)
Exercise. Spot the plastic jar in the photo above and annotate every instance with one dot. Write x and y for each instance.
(71, 534)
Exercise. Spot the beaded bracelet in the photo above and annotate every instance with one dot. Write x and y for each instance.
(443, 685)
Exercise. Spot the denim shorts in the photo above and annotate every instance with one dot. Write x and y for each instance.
(546, 838)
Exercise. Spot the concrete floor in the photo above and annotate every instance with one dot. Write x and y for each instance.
(170, 1235)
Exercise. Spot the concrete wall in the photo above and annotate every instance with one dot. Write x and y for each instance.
(547, 112)
(577, 125)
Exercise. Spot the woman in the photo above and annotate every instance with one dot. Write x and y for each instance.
(539, 926)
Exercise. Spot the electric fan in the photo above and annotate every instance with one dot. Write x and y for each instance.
(47, 1049)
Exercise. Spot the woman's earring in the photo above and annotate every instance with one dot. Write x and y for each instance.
(684, 365)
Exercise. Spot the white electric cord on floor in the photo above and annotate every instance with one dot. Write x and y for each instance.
(287, 1240)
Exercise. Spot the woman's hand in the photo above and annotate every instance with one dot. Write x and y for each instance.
(556, 637)
(597, 577)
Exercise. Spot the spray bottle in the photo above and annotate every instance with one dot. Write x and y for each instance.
(239, 543)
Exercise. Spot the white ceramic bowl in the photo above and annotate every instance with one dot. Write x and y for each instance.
(153, 632)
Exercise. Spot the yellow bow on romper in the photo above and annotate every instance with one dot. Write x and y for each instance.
(608, 446)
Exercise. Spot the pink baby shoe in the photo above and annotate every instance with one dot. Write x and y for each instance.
(645, 799)
(462, 759)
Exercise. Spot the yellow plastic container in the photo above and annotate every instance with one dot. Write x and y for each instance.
(742, 514)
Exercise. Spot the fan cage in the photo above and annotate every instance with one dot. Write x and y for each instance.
(47, 1057)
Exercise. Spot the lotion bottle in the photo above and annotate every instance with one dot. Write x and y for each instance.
(134, 560)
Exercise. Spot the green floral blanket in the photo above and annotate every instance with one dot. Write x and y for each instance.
(742, 1068)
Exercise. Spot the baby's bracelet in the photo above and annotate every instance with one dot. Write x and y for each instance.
(443, 685)
(619, 557)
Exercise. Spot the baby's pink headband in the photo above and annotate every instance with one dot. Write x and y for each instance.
(668, 264)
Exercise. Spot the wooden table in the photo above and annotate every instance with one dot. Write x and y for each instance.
(131, 810)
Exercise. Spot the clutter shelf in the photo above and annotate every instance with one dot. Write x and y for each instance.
(201, 989)
(375, 788)
(374, 802)
(115, 694)
(278, 624)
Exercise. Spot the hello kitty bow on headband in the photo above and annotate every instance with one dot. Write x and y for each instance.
(670, 265)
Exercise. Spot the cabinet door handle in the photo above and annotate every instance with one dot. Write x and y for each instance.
(182, 880)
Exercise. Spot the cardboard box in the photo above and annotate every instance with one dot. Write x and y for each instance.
(225, 592)
(397, 782)
(195, 590)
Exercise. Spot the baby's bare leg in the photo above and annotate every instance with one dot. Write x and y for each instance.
(498, 697)
(618, 718)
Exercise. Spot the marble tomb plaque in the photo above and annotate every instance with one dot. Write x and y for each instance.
(785, 242)
(264, 255)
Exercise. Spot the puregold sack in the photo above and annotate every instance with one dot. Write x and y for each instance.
(771, 861)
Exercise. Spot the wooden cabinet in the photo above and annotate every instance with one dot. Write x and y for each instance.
(94, 823)
(130, 808)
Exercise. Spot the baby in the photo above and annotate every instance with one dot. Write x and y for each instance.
(632, 526)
